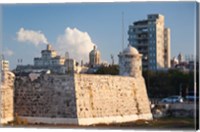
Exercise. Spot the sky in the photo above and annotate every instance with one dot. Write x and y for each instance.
(77, 27)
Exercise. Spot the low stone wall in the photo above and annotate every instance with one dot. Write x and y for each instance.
(81, 99)
(49, 96)
(6, 97)
(184, 109)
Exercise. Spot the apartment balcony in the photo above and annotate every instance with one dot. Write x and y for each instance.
(143, 51)
(141, 31)
(142, 45)
(142, 38)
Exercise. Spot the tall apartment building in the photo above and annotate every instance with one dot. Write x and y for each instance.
(152, 39)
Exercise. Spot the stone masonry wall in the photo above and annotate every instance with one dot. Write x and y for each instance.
(106, 99)
(49, 96)
(6, 97)
(81, 99)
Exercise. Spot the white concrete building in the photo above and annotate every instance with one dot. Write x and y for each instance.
(152, 39)
(49, 58)
(50, 61)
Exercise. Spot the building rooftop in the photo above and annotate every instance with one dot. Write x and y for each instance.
(141, 22)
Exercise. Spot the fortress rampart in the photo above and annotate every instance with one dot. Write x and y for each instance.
(81, 99)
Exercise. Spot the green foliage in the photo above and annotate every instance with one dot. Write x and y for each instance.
(162, 84)
(111, 70)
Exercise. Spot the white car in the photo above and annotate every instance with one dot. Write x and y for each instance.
(172, 99)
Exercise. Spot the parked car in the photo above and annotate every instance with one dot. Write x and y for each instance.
(191, 96)
(172, 99)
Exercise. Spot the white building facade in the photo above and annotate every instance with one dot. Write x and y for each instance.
(50, 61)
(152, 39)
(49, 58)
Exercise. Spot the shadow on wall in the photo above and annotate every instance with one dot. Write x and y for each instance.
(46, 97)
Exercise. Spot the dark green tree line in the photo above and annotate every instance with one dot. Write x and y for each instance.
(160, 84)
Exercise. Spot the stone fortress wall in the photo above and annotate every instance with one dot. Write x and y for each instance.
(81, 99)
(45, 97)
(108, 99)
(6, 97)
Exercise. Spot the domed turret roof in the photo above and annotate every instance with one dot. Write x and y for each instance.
(130, 50)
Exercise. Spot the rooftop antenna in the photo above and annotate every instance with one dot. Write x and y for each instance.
(122, 31)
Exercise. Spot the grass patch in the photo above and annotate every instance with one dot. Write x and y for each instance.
(162, 123)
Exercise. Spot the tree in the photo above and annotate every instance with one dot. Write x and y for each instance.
(111, 70)
(162, 84)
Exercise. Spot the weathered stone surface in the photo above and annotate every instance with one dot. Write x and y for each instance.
(100, 96)
(81, 99)
(6, 97)
(47, 96)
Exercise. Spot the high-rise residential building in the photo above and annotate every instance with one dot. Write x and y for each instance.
(152, 39)
(167, 51)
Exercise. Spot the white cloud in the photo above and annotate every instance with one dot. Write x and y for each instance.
(34, 37)
(76, 42)
(8, 52)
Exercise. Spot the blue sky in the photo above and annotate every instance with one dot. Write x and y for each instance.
(102, 22)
